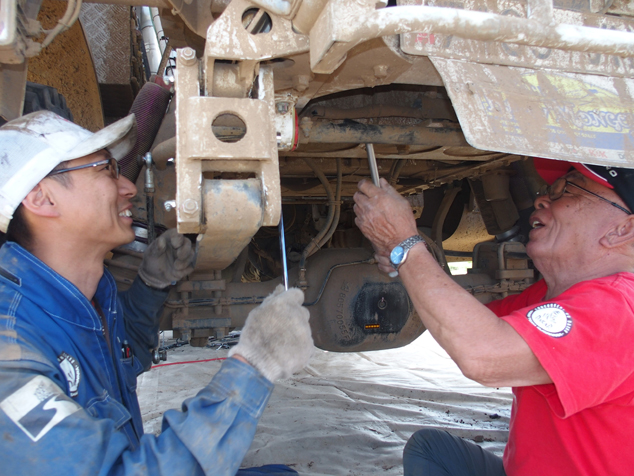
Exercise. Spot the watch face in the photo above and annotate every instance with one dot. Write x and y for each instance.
(396, 256)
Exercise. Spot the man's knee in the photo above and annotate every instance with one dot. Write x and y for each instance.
(426, 442)
(268, 470)
(432, 452)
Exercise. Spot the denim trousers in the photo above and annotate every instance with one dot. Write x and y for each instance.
(269, 469)
(431, 452)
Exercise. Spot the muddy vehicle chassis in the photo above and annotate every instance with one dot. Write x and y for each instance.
(274, 105)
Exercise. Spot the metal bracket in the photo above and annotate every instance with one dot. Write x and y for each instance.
(229, 212)
(228, 39)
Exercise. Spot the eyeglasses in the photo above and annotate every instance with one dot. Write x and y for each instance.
(556, 191)
(113, 166)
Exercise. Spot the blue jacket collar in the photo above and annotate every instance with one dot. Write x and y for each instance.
(57, 296)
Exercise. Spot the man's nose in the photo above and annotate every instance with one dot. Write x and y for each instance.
(126, 187)
(542, 201)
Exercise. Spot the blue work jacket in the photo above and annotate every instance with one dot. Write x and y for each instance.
(68, 383)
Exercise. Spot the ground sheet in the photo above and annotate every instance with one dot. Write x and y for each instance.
(346, 414)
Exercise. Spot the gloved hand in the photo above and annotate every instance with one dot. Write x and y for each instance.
(276, 338)
(167, 260)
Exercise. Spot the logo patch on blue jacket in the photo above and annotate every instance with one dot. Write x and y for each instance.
(38, 407)
(72, 372)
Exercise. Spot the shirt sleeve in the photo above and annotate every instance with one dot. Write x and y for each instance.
(142, 307)
(583, 340)
(534, 293)
(46, 432)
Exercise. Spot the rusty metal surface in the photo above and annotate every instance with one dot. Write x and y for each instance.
(490, 52)
(347, 132)
(543, 113)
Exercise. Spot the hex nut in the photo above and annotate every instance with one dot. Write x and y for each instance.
(187, 56)
(381, 71)
(282, 107)
(190, 206)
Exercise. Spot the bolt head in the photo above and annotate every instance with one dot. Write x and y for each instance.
(187, 56)
(190, 206)
(381, 71)
(282, 107)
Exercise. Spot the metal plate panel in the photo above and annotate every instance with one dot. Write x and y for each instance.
(12, 88)
(491, 52)
(576, 117)
(107, 29)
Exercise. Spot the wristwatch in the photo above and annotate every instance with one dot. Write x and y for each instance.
(398, 255)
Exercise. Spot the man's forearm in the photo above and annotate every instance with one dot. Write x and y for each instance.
(141, 310)
(210, 435)
(486, 348)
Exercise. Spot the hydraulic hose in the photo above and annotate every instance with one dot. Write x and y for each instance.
(335, 221)
(315, 242)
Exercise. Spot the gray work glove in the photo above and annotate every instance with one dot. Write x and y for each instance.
(167, 260)
(276, 338)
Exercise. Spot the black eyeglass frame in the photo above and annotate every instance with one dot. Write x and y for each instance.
(556, 196)
(115, 168)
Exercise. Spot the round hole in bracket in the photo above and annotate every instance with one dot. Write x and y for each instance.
(256, 21)
(228, 127)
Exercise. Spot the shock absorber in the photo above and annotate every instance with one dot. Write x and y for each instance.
(149, 197)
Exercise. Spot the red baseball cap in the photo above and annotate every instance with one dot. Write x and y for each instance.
(619, 179)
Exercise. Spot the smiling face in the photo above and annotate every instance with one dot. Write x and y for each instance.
(95, 207)
(566, 231)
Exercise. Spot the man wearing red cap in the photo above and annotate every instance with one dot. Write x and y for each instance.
(564, 344)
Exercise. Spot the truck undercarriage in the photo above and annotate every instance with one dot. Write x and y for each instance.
(275, 102)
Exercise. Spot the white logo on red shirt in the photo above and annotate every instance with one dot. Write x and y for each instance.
(551, 319)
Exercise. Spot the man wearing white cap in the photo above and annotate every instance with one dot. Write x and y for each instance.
(564, 344)
(71, 347)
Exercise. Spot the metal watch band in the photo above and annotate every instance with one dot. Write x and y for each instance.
(406, 245)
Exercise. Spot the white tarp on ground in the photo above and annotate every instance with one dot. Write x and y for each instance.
(346, 414)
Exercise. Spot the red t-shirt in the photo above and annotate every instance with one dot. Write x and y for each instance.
(583, 424)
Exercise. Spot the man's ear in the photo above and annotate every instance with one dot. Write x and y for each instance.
(40, 202)
(620, 234)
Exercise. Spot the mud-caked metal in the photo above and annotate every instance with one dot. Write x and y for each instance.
(227, 213)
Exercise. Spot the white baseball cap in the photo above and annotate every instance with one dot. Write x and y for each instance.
(33, 145)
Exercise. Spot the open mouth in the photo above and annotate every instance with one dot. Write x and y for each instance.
(535, 223)
(126, 213)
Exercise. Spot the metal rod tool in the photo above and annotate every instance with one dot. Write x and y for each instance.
(283, 251)
(374, 170)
